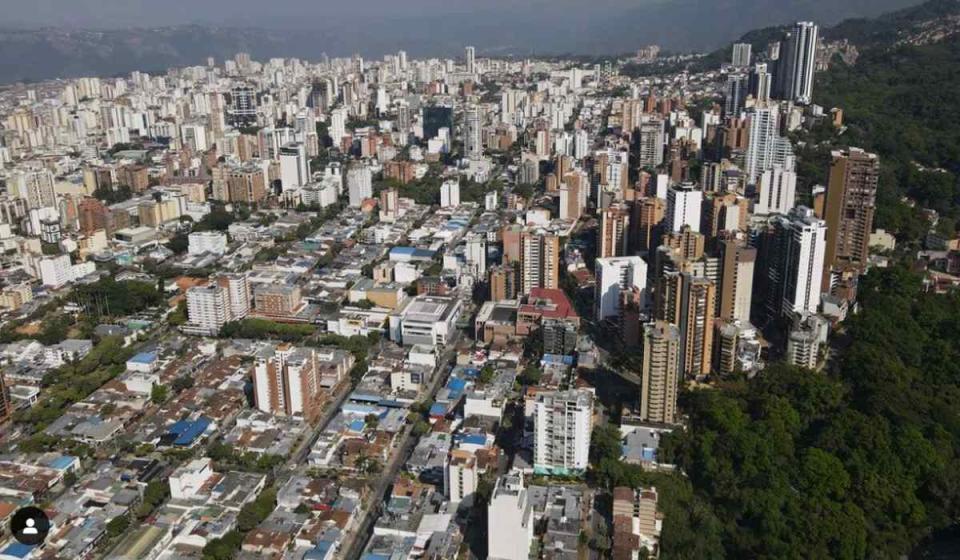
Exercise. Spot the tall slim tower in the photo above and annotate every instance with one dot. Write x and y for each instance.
(614, 225)
(736, 280)
(849, 208)
(539, 261)
(471, 54)
(795, 270)
(472, 142)
(661, 373)
(797, 63)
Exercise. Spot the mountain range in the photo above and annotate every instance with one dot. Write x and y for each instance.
(519, 29)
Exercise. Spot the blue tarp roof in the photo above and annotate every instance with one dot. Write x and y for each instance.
(18, 550)
(144, 357)
(557, 359)
(188, 431)
(357, 425)
(456, 384)
(438, 409)
(62, 462)
(475, 439)
(365, 397)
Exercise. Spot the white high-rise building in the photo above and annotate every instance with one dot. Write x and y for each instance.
(509, 520)
(562, 422)
(208, 309)
(777, 192)
(294, 166)
(35, 186)
(797, 63)
(683, 207)
(194, 136)
(476, 254)
(460, 476)
(766, 148)
(800, 240)
(240, 293)
(56, 271)
(200, 242)
(741, 55)
(471, 55)
(614, 275)
(581, 144)
(359, 184)
(761, 82)
(450, 193)
(338, 125)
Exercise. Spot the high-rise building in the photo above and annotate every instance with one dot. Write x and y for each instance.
(472, 133)
(93, 215)
(735, 93)
(338, 125)
(503, 282)
(683, 207)
(803, 347)
(237, 286)
(476, 254)
(6, 407)
(510, 519)
(359, 184)
(727, 212)
(766, 149)
(243, 106)
(615, 275)
(797, 63)
(471, 54)
(851, 201)
(795, 271)
(35, 186)
(562, 422)
(539, 261)
(460, 476)
(761, 82)
(736, 280)
(208, 309)
(652, 139)
(648, 214)
(294, 166)
(741, 55)
(660, 377)
(613, 233)
(286, 382)
(559, 335)
(777, 192)
(450, 193)
(688, 301)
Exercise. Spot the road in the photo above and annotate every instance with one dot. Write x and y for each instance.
(353, 543)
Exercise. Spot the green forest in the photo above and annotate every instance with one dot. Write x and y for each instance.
(858, 463)
(902, 103)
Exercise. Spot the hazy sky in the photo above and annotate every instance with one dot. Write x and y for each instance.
(300, 13)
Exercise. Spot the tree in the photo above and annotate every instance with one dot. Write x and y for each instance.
(118, 526)
(182, 383)
(487, 374)
(159, 394)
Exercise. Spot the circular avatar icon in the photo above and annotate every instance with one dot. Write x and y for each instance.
(30, 526)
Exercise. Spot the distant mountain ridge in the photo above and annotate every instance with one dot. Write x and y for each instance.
(679, 25)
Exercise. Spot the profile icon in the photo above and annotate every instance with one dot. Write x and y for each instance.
(30, 526)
